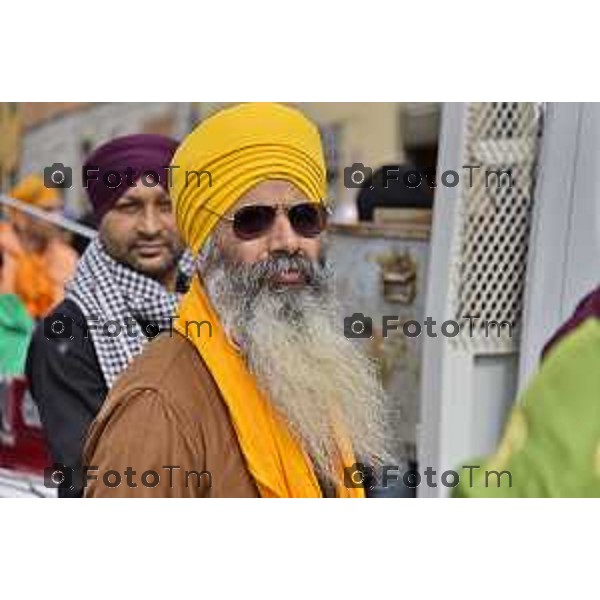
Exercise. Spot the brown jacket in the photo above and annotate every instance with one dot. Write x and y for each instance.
(165, 415)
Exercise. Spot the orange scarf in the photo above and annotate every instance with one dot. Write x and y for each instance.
(25, 274)
(279, 466)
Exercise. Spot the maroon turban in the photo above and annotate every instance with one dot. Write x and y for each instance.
(115, 166)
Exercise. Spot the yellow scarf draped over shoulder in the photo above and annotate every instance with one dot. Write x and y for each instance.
(279, 466)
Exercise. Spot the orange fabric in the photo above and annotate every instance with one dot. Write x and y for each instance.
(276, 461)
(38, 279)
(33, 191)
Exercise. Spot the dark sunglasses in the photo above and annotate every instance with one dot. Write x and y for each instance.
(307, 219)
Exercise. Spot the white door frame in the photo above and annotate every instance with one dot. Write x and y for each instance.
(564, 255)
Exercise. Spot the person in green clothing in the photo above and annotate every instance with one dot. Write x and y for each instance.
(15, 331)
(551, 443)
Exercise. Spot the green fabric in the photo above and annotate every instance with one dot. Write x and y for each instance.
(551, 444)
(15, 331)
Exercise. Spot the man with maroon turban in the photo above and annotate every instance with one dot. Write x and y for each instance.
(125, 289)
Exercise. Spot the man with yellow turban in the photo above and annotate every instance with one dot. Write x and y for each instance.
(256, 392)
(37, 262)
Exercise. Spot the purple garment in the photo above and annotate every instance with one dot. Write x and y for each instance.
(589, 307)
(130, 157)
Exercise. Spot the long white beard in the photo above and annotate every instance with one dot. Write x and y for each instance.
(293, 344)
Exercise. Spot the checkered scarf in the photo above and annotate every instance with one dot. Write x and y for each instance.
(110, 293)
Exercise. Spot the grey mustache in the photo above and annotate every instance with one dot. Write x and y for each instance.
(277, 265)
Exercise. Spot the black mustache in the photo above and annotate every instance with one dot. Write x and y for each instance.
(143, 240)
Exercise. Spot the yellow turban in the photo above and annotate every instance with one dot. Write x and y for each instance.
(33, 191)
(241, 147)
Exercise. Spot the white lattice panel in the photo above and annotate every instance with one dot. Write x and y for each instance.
(492, 243)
